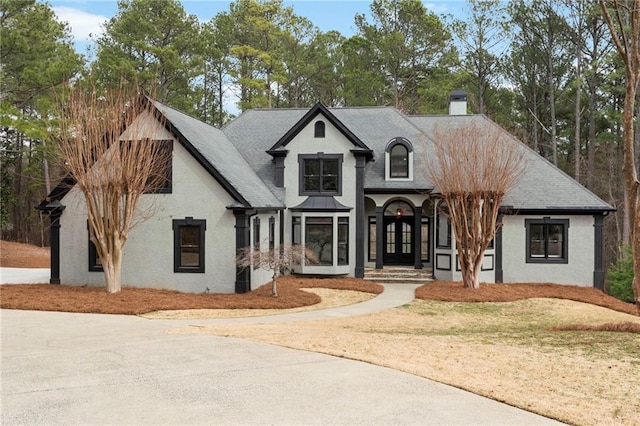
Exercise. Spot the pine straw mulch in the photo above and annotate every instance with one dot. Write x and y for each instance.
(18, 255)
(133, 301)
(454, 292)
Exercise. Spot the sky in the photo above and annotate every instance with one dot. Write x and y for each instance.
(85, 17)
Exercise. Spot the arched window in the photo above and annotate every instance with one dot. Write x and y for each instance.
(399, 162)
(399, 159)
(319, 129)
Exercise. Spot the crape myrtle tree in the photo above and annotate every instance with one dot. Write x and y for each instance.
(275, 259)
(473, 169)
(113, 172)
(623, 20)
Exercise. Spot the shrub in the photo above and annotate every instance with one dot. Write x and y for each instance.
(620, 277)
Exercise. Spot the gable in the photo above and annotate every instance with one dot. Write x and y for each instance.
(307, 122)
(220, 158)
(208, 145)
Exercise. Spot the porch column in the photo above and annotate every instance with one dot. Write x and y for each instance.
(417, 237)
(497, 244)
(54, 209)
(360, 216)
(598, 272)
(55, 245)
(243, 275)
(379, 236)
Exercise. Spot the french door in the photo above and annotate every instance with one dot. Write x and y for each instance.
(398, 242)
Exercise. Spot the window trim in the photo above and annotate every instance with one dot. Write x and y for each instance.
(319, 156)
(547, 221)
(342, 221)
(177, 225)
(387, 159)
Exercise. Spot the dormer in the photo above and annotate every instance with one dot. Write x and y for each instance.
(324, 127)
(398, 160)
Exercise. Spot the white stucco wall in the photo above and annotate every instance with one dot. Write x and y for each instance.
(334, 142)
(148, 254)
(579, 269)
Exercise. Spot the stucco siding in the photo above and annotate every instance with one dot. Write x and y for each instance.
(334, 142)
(578, 270)
(148, 254)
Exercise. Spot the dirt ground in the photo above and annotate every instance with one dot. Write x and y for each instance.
(138, 301)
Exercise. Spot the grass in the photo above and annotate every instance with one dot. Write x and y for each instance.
(547, 325)
(508, 351)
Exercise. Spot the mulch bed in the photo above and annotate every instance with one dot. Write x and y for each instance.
(131, 301)
(455, 292)
(46, 297)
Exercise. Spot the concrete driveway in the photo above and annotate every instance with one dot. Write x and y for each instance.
(24, 275)
(61, 368)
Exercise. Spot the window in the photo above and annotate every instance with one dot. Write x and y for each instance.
(256, 237)
(272, 232)
(296, 230)
(318, 130)
(399, 162)
(162, 173)
(95, 264)
(320, 174)
(547, 240)
(188, 245)
(343, 241)
(159, 180)
(398, 159)
(372, 238)
(319, 238)
(424, 243)
(443, 231)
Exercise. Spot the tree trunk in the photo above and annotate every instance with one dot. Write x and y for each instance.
(632, 183)
(274, 284)
(578, 114)
(110, 253)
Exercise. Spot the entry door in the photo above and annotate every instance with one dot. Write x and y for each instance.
(398, 241)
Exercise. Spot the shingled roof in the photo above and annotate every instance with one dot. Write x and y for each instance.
(220, 157)
(542, 187)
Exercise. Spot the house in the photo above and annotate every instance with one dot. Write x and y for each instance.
(349, 183)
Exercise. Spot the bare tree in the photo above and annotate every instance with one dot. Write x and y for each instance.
(276, 260)
(474, 168)
(624, 26)
(113, 172)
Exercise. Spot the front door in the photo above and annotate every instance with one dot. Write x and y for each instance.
(398, 241)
